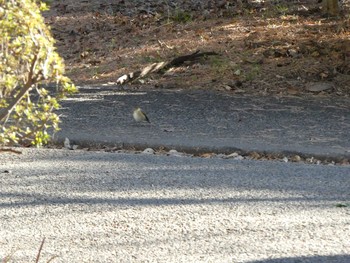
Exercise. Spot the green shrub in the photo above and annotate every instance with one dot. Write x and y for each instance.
(28, 63)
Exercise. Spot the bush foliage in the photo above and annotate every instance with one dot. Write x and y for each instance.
(28, 63)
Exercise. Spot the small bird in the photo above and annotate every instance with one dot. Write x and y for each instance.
(139, 115)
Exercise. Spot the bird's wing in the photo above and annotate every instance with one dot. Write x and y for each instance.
(146, 118)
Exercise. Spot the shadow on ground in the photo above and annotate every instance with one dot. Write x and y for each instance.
(111, 179)
(314, 259)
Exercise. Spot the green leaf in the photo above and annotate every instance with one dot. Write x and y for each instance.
(28, 58)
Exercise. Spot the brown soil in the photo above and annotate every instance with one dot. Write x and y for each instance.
(281, 48)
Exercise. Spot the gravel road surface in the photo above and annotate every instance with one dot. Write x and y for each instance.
(208, 121)
(113, 207)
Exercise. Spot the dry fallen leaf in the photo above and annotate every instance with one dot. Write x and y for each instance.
(207, 155)
(293, 91)
(254, 155)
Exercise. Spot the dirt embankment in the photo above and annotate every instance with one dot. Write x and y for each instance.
(284, 48)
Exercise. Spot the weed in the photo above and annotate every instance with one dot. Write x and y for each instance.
(151, 59)
(8, 258)
(281, 9)
(272, 11)
(341, 205)
(181, 16)
(112, 44)
(253, 73)
(222, 65)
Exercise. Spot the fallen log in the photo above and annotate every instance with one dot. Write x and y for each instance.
(164, 65)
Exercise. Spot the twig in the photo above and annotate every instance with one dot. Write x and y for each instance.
(39, 252)
(10, 150)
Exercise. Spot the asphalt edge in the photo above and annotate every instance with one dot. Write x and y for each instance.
(197, 151)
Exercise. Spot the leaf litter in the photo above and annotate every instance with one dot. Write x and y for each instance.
(266, 48)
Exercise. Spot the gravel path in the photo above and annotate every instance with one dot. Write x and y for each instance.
(208, 122)
(109, 207)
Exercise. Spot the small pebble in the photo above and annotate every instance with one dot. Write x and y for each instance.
(148, 151)
(175, 153)
(232, 155)
(239, 158)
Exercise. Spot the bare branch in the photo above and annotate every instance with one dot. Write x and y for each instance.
(4, 113)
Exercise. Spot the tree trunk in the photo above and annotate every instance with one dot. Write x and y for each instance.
(331, 7)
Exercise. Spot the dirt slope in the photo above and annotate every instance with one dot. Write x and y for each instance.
(281, 48)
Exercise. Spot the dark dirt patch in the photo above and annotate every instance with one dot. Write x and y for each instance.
(266, 47)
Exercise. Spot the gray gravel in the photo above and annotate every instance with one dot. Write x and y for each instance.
(207, 121)
(109, 207)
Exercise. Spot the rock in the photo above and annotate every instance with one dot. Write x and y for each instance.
(239, 158)
(293, 53)
(318, 86)
(148, 151)
(232, 155)
(67, 143)
(173, 152)
(70, 146)
(295, 158)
